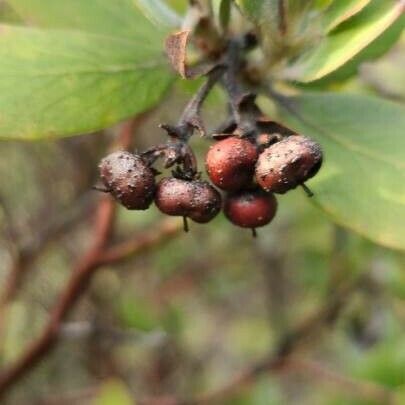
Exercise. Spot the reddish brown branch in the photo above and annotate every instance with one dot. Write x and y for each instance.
(26, 256)
(96, 257)
(167, 229)
(81, 275)
(78, 282)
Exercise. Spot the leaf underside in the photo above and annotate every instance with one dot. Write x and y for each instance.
(55, 83)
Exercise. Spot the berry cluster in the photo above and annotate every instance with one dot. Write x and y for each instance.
(252, 158)
(131, 180)
(248, 169)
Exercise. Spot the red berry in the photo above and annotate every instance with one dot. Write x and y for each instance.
(250, 209)
(195, 199)
(230, 163)
(128, 179)
(288, 163)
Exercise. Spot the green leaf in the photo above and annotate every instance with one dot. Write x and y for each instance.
(252, 8)
(159, 13)
(322, 4)
(58, 83)
(362, 182)
(222, 12)
(341, 10)
(180, 6)
(119, 18)
(347, 41)
(260, 11)
(374, 50)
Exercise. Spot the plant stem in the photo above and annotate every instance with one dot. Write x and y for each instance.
(191, 116)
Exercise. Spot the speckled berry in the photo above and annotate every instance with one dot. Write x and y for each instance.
(230, 163)
(250, 209)
(288, 163)
(193, 199)
(128, 179)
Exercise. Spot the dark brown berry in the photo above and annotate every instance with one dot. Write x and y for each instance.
(128, 179)
(250, 209)
(194, 199)
(230, 163)
(288, 163)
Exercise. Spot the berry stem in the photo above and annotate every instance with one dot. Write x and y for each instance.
(189, 160)
(230, 81)
(243, 108)
(191, 117)
(177, 151)
(185, 225)
(307, 190)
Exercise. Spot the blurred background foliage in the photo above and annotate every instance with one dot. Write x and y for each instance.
(184, 317)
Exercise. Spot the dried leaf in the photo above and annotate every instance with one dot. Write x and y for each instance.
(176, 45)
(176, 49)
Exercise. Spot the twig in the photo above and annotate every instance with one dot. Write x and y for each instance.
(243, 108)
(166, 230)
(190, 119)
(192, 113)
(177, 150)
(230, 81)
